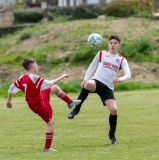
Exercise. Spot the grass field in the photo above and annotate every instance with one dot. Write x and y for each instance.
(22, 133)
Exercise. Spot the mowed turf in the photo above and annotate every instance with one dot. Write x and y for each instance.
(22, 133)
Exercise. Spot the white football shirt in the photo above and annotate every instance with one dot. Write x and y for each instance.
(107, 65)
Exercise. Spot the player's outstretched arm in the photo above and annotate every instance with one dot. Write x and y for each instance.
(9, 103)
(60, 78)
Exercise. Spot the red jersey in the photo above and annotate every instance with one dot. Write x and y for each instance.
(30, 85)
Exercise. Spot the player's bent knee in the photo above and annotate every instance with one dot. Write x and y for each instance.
(88, 85)
(55, 89)
(113, 111)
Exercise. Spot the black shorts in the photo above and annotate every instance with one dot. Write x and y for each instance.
(103, 91)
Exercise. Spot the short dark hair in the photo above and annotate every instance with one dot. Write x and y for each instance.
(113, 36)
(27, 62)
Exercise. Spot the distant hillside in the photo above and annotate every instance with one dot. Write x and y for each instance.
(53, 45)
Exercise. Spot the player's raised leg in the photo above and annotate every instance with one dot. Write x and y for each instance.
(62, 95)
(88, 86)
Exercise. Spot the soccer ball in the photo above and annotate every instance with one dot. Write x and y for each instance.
(95, 40)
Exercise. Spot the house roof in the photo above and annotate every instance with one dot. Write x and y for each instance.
(4, 4)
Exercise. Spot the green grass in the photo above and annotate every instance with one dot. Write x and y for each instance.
(71, 36)
(85, 137)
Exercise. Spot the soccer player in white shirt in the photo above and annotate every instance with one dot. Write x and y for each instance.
(106, 65)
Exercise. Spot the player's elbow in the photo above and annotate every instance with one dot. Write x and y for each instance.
(129, 76)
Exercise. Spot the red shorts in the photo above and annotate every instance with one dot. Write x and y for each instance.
(43, 109)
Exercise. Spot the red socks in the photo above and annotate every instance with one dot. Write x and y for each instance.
(65, 98)
(49, 137)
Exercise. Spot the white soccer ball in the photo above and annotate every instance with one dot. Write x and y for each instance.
(95, 40)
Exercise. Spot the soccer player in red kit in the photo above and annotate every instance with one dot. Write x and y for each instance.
(106, 64)
(37, 91)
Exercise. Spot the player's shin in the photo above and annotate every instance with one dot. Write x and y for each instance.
(113, 124)
(83, 95)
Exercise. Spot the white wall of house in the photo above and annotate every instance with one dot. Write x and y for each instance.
(63, 3)
(97, 1)
(108, 1)
(92, 1)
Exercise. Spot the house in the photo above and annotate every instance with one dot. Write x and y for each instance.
(72, 3)
(66, 3)
(6, 13)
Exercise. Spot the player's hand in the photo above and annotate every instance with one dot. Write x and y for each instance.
(83, 83)
(116, 80)
(64, 76)
(9, 104)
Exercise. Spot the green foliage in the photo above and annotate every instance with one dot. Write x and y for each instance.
(70, 87)
(86, 12)
(41, 54)
(142, 14)
(79, 12)
(130, 86)
(55, 61)
(4, 90)
(137, 49)
(28, 15)
(85, 54)
(119, 9)
(4, 47)
(65, 13)
(26, 34)
(13, 60)
(55, 12)
(41, 58)
(70, 40)
(60, 19)
(75, 87)
(126, 9)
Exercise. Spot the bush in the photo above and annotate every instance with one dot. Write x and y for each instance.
(130, 86)
(80, 12)
(60, 12)
(34, 15)
(126, 9)
(137, 50)
(70, 87)
(142, 14)
(119, 9)
(86, 12)
(28, 15)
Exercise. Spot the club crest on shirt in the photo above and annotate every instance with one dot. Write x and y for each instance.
(117, 60)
